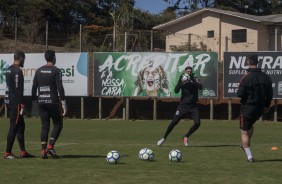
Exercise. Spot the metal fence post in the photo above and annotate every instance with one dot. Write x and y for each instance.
(16, 29)
(80, 49)
(80, 37)
(124, 109)
(275, 118)
(229, 109)
(125, 42)
(275, 100)
(127, 108)
(46, 39)
(152, 42)
(155, 109)
(82, 108)
(211, 109)
(114, 38)
(6, 112)
(100, 108)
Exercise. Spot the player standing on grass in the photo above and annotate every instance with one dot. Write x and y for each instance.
(189, 86)
(255, 91)
(48, 83)
(14, 102)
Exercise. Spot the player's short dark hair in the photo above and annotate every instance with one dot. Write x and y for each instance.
(18, 54)
(188, 67)
(49, 55)
(252, 59)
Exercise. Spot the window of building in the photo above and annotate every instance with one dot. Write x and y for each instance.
(239, 35)
(210, 34)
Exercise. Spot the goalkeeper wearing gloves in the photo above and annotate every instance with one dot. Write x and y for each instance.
(47, 83)
(189, 86)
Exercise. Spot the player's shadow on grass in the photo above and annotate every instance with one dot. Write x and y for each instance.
(216, 146)
(82, 156)
(269, 160)
(87, 156)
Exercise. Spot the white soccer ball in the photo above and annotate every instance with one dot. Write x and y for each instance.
(146, 154)
(185, 77)
(175, 155)
(113, 157)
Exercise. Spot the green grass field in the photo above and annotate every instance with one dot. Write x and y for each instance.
(213, 157)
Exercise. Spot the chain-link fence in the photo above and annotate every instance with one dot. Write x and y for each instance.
(34, 38)
(51, 35)
(98, 38)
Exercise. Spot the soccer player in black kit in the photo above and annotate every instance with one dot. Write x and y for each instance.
(47, 83)
(255, 91)
(189, 86)
(14, 101)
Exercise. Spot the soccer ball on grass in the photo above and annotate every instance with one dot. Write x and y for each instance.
(146, 154)
(175, 155)
(113, 157)
(185, 78)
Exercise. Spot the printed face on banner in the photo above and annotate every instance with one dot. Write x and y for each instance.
(151, 74)
(152, 81)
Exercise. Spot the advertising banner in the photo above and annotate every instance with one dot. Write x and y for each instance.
(235, 66)
(74, 68)
(152, 74)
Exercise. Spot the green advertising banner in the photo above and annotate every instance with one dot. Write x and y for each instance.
(151, 73)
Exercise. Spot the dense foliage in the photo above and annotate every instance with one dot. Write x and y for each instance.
(105, 20)
(254, 7)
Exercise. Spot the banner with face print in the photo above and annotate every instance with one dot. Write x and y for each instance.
(152, 74)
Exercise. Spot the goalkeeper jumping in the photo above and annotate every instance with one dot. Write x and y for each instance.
(189, 86)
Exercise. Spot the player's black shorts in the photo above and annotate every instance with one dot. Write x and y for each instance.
(184, 109)
(246, 123)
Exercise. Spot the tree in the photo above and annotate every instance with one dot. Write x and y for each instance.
(191, 5)
(276, 7)
(253, 7)
(190, 47)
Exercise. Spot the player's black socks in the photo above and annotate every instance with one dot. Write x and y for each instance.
(51, 143)
(44, 146)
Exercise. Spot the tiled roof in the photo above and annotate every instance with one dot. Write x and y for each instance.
(269, 19)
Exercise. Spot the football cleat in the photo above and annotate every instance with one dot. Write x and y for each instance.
(53, 153)
(185, 141)
(9, 155)
(44, 154)
(251, 160)
(161, 141)
(25, 154)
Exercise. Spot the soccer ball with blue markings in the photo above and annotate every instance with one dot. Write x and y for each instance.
(113, 157)
(146, 154)
(175, 155)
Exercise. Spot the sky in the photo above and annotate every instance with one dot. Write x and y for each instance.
(152, 6)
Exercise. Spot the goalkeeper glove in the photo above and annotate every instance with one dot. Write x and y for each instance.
(21, 109)
(64, 107)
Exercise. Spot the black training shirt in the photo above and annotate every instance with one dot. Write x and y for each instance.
(189, 90)
(48, 83)
(255, 91)
(15, 85)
